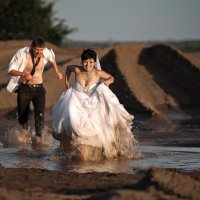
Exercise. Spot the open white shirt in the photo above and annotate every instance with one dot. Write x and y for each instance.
(19, 62)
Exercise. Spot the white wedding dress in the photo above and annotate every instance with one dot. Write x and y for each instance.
(95, 118)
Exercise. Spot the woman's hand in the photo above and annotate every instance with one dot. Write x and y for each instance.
(67, 85)
(107, 83)
(108, 79)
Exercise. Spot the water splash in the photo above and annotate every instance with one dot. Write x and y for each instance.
(79, 149)
(18, 137)
(46, 140)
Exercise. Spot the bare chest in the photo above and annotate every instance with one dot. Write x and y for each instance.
(29, 65)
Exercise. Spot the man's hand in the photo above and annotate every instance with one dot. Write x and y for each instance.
(27, 77)
(60, 76)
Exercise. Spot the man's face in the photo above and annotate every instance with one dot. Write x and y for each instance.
(37, 51)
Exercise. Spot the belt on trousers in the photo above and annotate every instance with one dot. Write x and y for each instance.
(31, 85)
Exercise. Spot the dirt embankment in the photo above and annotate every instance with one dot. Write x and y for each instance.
(150, 79)
(157, 78)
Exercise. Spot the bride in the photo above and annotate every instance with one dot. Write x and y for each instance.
(88, 114)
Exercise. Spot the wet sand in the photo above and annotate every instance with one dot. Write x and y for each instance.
(151, 184)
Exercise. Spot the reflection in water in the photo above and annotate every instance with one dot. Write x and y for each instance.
(184, 158)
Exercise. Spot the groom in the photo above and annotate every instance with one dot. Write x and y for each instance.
(26, 69)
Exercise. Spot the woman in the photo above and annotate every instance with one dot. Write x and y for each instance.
(90, 115)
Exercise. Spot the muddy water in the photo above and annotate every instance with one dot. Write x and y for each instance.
(165, 148)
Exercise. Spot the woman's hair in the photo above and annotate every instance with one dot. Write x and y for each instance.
(38, 42)
(88, 54)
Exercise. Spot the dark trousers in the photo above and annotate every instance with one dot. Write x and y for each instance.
(36, 95)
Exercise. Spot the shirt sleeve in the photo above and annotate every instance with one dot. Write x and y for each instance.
(49, 55)
(16, 61)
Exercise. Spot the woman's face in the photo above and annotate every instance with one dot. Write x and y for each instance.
(88, 64)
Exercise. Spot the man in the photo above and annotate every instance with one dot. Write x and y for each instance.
(26, 69)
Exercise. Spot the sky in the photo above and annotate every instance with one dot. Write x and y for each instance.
(130, 20)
